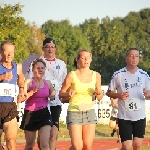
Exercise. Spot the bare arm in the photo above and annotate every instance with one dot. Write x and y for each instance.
(115, 95)
(112, 94)
(98, 92)
(114, 103)
(51, 90)
(20, 80)
(64, 92)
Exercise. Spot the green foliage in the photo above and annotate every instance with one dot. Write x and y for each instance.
(13, 28)
(69, 39)
(107, 39)
(34, 41)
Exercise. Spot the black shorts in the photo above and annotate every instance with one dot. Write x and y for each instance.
(8, 111)
(114, 119)
(34, 120)
(55, 113)
(129, 129)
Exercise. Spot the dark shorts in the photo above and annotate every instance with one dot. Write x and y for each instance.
(81, 117)
(114, 119)
(8, 111)
(55, 113)
(129, 129)
(34, 120)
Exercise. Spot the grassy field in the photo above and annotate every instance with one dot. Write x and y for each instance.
(145, 148)
(102, 131)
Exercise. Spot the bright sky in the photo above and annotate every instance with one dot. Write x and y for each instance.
(76, 11)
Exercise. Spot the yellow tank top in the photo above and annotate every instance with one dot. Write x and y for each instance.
(84, 92)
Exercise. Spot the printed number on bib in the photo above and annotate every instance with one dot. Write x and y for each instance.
(7, 89)
(55, 85)
(103, 113)
(133, 104)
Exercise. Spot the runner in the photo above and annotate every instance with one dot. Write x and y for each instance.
(130, 83)
(36, 114)
(81, 117)
(55, 72)
(10, 75)
(113, 124)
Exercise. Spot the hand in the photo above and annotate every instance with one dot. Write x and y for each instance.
(98, 91)
(114, 102)
(52, 97)
(123, 95)
(35, 89)
(22, 97)
(146, 93)
(71, 92)
(8, 76)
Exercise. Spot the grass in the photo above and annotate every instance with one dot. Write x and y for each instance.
(102, 131)
(145, 148)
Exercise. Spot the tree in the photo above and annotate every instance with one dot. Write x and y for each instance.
(34, 41)
(69, 39)
(14, 29)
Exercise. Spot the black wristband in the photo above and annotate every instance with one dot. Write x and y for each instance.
(21, 87)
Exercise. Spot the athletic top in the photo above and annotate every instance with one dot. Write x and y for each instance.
(114, 110)
(8, 88)
(56, 72)
(83, 93)
(123, 81)
(38, 100)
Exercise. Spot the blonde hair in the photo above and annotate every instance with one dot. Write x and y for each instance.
(78, 56)
(82, 50)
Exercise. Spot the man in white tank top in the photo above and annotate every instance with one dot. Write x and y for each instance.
(132, 85)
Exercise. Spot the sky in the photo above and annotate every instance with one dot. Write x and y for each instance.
(76, 11)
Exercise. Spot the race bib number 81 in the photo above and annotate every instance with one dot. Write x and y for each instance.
(7, 89)
(133, 104)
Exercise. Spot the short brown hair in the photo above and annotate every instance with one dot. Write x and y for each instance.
(130, 49)
(36, 61)
(4, 43)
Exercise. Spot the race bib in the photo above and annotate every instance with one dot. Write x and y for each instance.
(7, 89)
(84, 107)
(133, 104)
(55, 85)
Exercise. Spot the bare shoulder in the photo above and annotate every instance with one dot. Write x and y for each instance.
(70, 75)
(19, 66)
(27, 81)
(98, 75)
(48, 82)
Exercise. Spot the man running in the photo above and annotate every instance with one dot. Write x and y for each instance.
(132, 84)
(10, 75)
(56, 72)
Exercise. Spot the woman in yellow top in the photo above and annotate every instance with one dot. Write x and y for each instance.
(81, 118)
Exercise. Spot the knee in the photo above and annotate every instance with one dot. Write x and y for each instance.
(76, 147)
(126, 147)
(137, 146)
(44, 145)
(52, 138)
(30, 145)
(87, 147)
